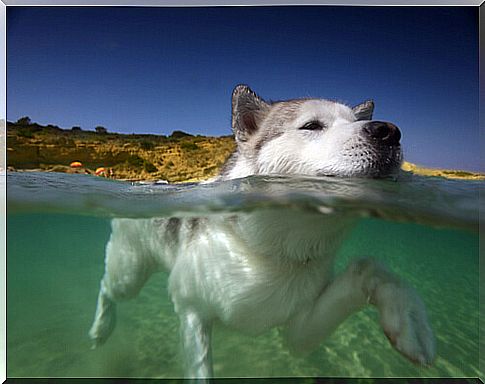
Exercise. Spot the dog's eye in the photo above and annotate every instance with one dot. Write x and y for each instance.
(313, 126)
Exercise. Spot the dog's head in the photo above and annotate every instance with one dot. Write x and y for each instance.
(313, 137)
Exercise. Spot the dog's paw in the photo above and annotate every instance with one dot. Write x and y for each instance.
(103, 326)
(405, 322)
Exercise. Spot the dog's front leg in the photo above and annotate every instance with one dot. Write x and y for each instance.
(366, 281)
(196, 341)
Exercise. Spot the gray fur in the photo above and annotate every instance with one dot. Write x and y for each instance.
(364, 111)
(248, 110)
(173, 229)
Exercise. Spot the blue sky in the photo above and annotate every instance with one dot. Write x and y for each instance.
(155, 70)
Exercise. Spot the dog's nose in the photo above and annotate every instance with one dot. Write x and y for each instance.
(386, 133)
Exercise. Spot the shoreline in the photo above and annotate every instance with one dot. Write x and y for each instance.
(406, 167)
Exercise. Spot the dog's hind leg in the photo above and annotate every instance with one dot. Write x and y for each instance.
(195, 333)
(127, 268)
(104, 318)
(366, 281)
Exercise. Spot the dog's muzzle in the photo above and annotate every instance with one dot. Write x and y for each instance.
(382, 132)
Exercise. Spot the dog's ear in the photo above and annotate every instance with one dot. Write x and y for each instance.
(248, 109)
(364, 110)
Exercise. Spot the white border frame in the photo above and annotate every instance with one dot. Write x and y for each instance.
(3, 192)
(206, 3)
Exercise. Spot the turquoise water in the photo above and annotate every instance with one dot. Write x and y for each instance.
(425, 229)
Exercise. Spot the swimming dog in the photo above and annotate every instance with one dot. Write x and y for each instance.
(271, 267)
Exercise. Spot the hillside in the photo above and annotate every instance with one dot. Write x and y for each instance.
(447, 173)
(178, 157)
(175, 158)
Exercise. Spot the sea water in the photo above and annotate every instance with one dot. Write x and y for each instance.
(424, 229)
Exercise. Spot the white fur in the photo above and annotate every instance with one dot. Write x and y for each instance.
(340, 149)
(268, 268)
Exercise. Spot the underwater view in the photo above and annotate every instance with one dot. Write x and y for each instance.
(424, 228)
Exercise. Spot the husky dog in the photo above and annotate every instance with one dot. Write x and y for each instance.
(271, 268)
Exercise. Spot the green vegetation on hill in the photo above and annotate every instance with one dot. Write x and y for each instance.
(178, 157)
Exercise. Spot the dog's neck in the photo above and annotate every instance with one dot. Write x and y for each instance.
(237, 166)
(293, 236)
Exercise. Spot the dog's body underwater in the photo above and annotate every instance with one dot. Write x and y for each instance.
(254, 271)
